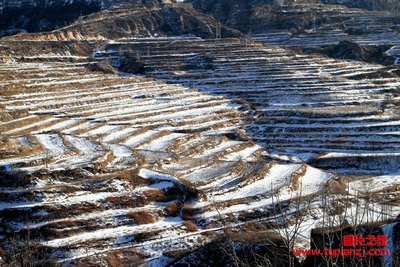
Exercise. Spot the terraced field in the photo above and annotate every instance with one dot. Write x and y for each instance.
(375, 35)
(339, 115)
(364, 29)
(213, 136)
(107, 162)
(111, 165)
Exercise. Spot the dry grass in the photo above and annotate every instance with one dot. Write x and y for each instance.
(102, 164)
(88, 129)
(143, 217)
(7, 144)
(62, 212)
(122, 200)
(231, 202)
(103, 67)
(126, 137)
(253, 227)
(41, 126)
(12, 147)
(188, 212)
(154, 136)
(154, 195)
(126, 257)
(56, 233)
(4, 116)
(21, 113)
(70, 223)
(191, 227)
(261, 173)
(132, 176)
(296, 176)
(177, 144)
(253, 232)
(179, 253)
(234, 149)
(337, 186)
(173, 209)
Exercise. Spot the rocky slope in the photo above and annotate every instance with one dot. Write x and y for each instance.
(39, 15)
(127, 20)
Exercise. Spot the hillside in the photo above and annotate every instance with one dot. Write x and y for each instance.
(126, 20)
(35, 15)
(138, 135)
(318, 28)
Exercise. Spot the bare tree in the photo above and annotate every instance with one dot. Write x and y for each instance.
(290, 218)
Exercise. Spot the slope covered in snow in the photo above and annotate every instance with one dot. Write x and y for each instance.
(215, 135)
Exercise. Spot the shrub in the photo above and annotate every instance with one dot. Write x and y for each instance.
(143, 217)
(188, 212)
(102, 66)
(191, 227)
(119, 199)
(126, 257)
(173, 209)
(154, 194)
